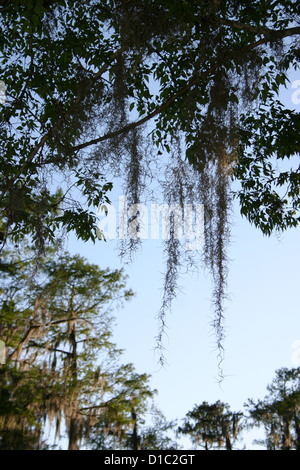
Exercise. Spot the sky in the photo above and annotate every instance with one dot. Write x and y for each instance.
(262, 321)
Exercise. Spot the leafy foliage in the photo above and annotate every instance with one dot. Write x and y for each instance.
(48, 106)
(270, 196)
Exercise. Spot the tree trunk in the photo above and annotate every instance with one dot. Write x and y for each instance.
(135, 438)
(228, 444)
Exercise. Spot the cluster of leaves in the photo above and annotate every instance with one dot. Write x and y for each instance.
(269, 194)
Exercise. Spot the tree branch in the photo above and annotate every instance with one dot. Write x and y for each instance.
(269, 35)
(194, 80)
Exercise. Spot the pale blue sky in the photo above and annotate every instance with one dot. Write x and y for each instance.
(262, 318)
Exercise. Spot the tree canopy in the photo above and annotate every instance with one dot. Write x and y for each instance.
(183, 93)
(212, 426)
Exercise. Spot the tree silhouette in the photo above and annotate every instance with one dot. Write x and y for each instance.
(212, 426)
